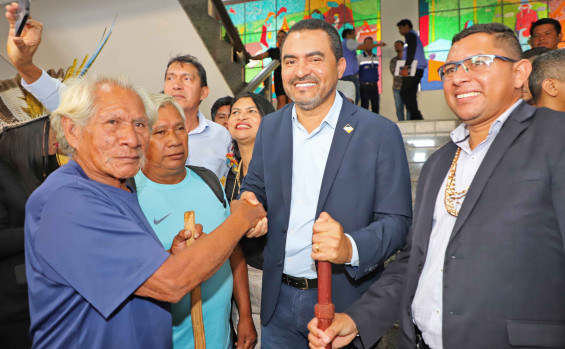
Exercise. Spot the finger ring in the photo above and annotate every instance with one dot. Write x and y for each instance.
(317, 248)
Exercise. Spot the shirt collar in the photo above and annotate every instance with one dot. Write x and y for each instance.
(202, 124)
(330, 119)
(461, 133)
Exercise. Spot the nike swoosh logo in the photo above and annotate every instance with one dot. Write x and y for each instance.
(160, 220)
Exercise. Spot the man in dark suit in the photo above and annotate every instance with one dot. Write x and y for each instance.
(335, 181)
(485, 263)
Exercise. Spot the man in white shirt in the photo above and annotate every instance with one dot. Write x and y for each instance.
(484, 266)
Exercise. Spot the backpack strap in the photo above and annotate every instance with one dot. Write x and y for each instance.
(211, 180)
(131, 181)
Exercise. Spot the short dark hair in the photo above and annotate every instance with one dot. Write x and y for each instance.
(533, 53)
(189, 59)
(404, 22)
(220, 102)
(346, 32)
(502, 34)
(399, 41)
(368, 38)
(264, 106)
(23, 151)
(547, 66)
(318, 24)
(543, 21)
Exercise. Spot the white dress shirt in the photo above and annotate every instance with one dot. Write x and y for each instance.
(427, 306)
(208, 145)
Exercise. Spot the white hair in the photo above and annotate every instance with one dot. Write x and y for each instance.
(78, 103)
(162, 100)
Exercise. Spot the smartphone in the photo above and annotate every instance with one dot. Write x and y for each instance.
(21, 16)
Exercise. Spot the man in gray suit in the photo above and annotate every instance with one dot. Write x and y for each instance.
(484, 265)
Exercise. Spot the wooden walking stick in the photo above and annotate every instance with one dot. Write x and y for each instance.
(324, 309)
(195, 294)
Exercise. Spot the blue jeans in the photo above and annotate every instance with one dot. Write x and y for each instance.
(399, 105)
(288, 325)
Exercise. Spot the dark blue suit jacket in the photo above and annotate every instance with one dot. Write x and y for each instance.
(365, 187)
(504, 267)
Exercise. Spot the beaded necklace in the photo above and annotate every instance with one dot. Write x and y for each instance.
(453, 197)
(237, 180)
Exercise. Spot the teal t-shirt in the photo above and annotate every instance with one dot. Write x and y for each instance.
(164, 206)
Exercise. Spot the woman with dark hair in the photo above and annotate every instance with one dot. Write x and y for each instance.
(246, 113)
(27, 156)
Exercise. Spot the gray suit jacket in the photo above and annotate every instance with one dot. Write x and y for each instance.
(504, 268)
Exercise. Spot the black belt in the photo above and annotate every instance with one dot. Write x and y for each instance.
(369, 83)
(300, 283)
(420, 344)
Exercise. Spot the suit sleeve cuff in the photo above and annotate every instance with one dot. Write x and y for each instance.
(354, 253)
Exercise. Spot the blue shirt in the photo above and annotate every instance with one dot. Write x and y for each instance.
(368, 67)
(349, 47)
(414, 50)
(164, 206)
(309, 157)
(88, 248)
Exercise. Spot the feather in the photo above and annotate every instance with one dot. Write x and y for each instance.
(101, 44)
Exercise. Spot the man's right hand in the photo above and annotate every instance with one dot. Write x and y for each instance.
(252, 209)
(21, 49)
(342, 332)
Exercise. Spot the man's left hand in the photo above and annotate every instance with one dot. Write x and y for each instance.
(329, 242)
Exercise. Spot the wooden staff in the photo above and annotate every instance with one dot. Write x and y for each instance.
(324, 309)
(195, 294)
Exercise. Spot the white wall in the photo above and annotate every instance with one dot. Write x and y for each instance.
(431, 103)
(146, 35)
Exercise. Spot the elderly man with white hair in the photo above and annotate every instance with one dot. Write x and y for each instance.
(98, 276)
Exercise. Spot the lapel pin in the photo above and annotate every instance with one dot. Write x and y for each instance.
(348, 128)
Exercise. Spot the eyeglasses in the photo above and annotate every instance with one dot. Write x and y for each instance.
(475, 65)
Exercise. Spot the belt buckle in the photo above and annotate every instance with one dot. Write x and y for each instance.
(306, 282)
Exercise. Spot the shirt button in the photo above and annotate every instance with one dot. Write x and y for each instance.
(473, 158)
(453, 257)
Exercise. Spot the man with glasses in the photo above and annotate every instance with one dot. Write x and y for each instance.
(484, 265)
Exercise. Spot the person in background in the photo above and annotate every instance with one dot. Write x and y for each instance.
(546, 32)
(350, 46)
(531, 56)
(547, 80)
(414, 52)
(275, 53)
(369, 77)
(246, 113)
(27, 156)
(220, 111)
(397, 81)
